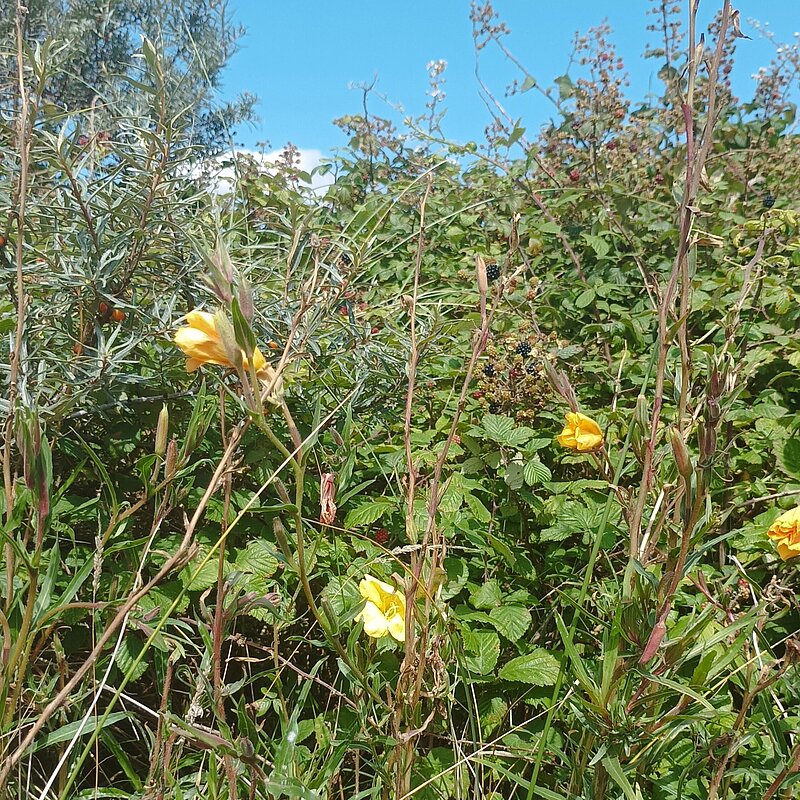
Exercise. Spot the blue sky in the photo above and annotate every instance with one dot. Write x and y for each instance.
(300, 56)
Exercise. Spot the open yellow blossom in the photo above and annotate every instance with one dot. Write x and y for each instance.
(385, 610)
(581, 433)
(201, 342)
(785, 533)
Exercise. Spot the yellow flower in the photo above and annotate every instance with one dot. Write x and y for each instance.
(201, 343)
(581, 433)
(785, 532)
(385, 610)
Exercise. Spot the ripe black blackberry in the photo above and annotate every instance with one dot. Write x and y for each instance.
(524, 349)
(769, 200)
(492, 272)
(531, 369)
(493, 408)
(488, 370)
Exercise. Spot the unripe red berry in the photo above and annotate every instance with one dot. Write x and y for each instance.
(574, 175)
(381, 536)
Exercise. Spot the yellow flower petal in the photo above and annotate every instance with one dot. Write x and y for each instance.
(375, 624)
(202, 321)
(385, 609)
(201, 343)
(581, 433)
(397, 627)
(785, 533)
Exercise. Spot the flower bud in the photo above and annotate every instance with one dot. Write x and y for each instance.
(246, 299)
(227, 338)
(172, 459)
(681, 454)
(483, 281)
(162, 430)
(640, 415)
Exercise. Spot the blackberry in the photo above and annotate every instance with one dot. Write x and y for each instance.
(769, 200)
(531, 369)
(524, 349)
(488, 371)
(381, 536)
(493, 408)
(492, 272)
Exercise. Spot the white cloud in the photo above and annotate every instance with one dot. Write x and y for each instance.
(221, 174)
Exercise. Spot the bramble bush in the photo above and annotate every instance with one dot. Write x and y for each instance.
(474, 476)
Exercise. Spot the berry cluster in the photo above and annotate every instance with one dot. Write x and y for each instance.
(513, 380)
(492, 272)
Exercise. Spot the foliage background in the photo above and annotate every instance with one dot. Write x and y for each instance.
(162, 640)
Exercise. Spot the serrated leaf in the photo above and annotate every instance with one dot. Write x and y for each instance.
(127, 654)
(598, 244)
(482, 649)
(368, 512)
(511, 621)
(497, 427)
(198, 578)
(453, 495)
(538, 668)
(536, 472)
(487, 596)
(342, 594)
(257, 558)
(493, 712)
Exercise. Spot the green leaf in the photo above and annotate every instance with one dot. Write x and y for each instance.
(497, 427)
(511, 621)
(478, 509)
(66, 732)
(198, 578)
(789, 461)
(614, 769)
(536, 472)
(585, 298)
(482, 651)
(457, 576)
(258, 558)
(528, 83)
(539, 668)
(565, 86)
(127, 654)
(515, 475)
(368, 512)
(487, 596)
(598, 244)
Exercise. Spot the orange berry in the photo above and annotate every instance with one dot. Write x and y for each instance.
(103, 308)
(118, 315)
(273, 345)
(77, 348)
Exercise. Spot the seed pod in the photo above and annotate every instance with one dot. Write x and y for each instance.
(162, 431)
